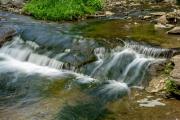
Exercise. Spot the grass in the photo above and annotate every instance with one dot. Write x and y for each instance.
(62, 9)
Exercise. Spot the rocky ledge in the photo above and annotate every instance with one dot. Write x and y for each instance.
(6, 33)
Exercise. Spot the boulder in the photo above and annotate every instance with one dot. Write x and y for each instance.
(161, 26)
(109, 13)
(162, 20)
(5, 33)
(175, 30)
(157, 84)
(155, 68)
(175, 74)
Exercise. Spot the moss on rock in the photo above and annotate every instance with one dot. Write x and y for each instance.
(172, 89)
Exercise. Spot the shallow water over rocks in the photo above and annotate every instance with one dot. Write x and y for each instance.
(48, 71)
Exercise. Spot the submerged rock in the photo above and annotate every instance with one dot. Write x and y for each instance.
(5, 33)
(175, 30)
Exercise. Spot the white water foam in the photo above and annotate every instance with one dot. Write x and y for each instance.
(9, 65)
(24, 51)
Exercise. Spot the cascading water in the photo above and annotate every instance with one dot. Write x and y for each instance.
(123, 65)
(113, 73)
(25, 51)
(150, 51)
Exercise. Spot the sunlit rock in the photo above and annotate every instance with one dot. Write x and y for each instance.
(175, 30)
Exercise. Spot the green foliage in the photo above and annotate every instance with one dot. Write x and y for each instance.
(171, 87)
(62, 9)
(168, 68)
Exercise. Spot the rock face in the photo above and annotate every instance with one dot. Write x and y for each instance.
(5, 33)
(175, 30)
(175, 74)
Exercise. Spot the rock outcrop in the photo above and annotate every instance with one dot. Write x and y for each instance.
(175, 74)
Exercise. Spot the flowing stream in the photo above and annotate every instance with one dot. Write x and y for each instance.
(74, 77)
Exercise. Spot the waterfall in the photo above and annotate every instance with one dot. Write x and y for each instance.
(25, 51)
(114, 71)
(149, 50)
(124, 65)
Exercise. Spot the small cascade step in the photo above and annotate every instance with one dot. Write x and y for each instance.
(151, 51)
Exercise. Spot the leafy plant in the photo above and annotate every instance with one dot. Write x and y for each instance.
(171, 87)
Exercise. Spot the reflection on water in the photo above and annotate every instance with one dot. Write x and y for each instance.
(129, 109)
(140, 31)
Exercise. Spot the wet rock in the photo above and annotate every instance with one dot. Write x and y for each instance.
(162, 20)
(5, 33)
(147, 17)
(158, 13)
(175, 30)
(2, 18)
(156, 68)
(109, 13)
(175, 74)
(161, 26)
